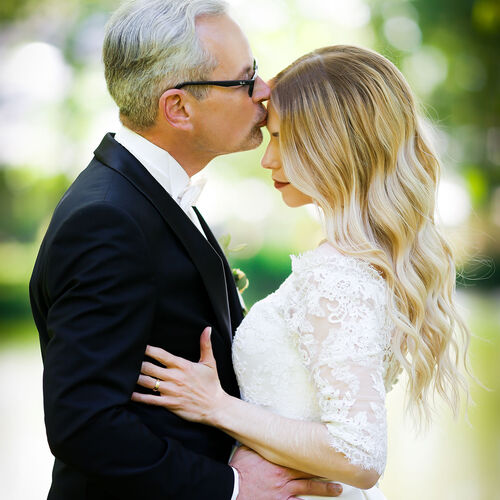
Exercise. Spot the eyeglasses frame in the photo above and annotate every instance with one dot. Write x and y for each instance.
(227, 83)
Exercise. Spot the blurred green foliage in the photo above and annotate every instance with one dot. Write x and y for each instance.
(485, 353)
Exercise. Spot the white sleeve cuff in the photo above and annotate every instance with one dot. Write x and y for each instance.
(236, 488)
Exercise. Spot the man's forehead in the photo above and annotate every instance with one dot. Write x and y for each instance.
(226, 42)
(235, 65)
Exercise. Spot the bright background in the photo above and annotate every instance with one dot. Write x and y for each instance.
(54, 109)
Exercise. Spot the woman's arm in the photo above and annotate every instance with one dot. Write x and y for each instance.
(193, 391)
(297, 444)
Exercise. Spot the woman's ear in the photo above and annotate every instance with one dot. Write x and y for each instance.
(175, 108)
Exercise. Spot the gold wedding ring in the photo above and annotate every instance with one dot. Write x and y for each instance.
(157, 385)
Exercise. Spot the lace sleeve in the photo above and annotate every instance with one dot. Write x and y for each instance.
(338, 322)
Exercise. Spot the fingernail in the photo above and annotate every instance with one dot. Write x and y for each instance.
(209, 331)
(336, 488)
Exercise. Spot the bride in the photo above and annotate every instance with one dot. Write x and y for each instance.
(315, 359)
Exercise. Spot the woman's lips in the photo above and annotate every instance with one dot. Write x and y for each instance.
(279, 185)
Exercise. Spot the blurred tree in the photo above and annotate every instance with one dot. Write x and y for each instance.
(467, 101)
(14, 9)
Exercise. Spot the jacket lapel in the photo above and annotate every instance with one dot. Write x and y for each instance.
(206, 259)
(236, 312)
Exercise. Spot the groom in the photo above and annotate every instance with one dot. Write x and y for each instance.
(127, 261)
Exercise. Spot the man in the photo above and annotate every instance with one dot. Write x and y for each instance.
(127, 261)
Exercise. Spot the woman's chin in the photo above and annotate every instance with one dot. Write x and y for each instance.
(293, 202)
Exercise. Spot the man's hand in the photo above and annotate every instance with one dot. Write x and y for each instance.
(263, 480)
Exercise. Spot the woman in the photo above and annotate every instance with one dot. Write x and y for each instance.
(315, 358)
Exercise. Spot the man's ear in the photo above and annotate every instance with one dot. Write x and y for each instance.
(175, 107)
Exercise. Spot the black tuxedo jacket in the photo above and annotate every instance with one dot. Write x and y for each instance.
(122, 266)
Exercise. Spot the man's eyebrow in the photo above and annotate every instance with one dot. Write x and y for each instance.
(246, 72)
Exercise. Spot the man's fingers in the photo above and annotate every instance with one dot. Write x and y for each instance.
(297, 474)
(313, 487)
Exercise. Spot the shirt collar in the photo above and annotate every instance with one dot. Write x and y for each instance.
(158, 162)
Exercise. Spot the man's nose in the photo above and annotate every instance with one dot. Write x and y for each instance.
(261, 90)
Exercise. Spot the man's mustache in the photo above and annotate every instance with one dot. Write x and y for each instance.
(262, 118)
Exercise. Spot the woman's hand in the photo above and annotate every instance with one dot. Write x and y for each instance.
(190, 390)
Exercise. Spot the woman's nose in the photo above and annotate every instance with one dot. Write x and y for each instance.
(268, 161)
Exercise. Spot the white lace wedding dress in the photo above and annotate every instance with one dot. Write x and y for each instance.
(318, 349)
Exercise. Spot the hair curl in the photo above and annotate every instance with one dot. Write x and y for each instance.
(351, 138)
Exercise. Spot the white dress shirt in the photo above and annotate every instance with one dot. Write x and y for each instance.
(175, 181)
(165, 169)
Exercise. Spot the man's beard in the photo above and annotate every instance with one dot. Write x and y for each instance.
(252, 140)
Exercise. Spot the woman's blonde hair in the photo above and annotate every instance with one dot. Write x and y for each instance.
(351, 138)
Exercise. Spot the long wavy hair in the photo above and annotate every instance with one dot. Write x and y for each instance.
(352, 139)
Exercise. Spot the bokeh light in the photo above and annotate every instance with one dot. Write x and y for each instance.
(426, 69)
(402, 33)
(454, 206)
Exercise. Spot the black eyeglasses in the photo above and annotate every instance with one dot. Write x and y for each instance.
(227, 83)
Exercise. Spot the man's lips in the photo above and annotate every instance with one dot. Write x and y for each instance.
(262, 123)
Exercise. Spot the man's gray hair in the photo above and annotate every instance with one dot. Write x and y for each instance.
(151, 46)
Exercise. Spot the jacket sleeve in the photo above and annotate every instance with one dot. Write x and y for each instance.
(102, 294)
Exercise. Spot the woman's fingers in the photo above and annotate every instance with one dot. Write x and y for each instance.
(156, 371)
(146, 381)
(162, 387)
(165, 358)
(148, 399)
(173, 375)
(206, 353)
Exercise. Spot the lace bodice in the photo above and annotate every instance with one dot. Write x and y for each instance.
(318, 349)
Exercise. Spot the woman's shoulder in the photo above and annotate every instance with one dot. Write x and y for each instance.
(331, 284)
(326, 263)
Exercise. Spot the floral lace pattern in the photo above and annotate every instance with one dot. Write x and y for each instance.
(319, 349)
